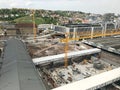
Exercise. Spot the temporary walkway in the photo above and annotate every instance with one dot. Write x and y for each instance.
(94, 82)
(46, 59)
(18, 71)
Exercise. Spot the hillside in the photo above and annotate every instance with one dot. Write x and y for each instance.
(16, 15)
(41, 16)
(38, 20)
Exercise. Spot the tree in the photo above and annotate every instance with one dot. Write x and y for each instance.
(108, 17)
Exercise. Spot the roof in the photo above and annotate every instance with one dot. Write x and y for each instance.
(18, 71)
(82, 25)
(8, 26)
(25, 25)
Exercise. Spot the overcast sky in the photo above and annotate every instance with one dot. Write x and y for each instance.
(89, 6)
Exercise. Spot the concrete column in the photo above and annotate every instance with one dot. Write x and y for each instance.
(92, 32)
(102, 31)
(115, 25)
(105, 29)
(68, 32)
(74, 33)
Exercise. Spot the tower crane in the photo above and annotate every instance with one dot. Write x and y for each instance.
(66, 51)
(34, 25)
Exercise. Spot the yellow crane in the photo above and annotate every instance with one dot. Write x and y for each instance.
(34, 25)
(85, 35)
(66, 51)
(95, 34)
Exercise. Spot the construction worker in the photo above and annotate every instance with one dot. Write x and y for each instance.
(5, 32)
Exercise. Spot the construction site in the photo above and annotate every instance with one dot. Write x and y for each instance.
(67, 57)
(82, 61)
(61, 60)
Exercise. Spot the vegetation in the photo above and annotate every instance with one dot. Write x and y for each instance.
(41, 16)
(10, 14)
(49, 17)
(38, 20)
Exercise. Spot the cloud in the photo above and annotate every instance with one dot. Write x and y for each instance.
(28, 3)
(94, 6)
(13, 4)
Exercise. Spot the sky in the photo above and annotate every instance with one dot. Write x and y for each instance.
(88, 6)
